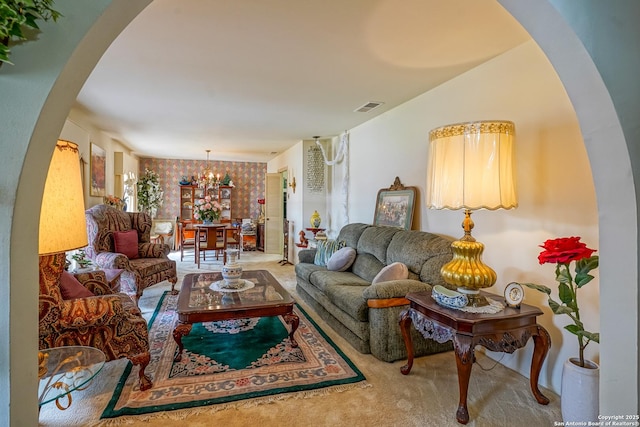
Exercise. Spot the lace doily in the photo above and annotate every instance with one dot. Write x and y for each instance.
(493, 308)
(220, 286)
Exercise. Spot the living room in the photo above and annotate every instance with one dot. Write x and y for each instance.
(519, 86)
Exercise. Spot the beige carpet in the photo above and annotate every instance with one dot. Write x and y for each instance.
(428, 396)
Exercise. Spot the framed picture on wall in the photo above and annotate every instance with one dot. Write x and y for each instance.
(98, 170)
(395, 205)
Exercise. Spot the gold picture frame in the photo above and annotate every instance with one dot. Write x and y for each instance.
(98, 170)
(395, 206)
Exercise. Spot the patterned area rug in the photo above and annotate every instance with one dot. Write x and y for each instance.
(227, 362)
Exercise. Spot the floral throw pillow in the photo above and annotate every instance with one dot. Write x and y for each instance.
(325, 249)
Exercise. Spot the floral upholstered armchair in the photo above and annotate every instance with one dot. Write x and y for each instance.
(122, 240)
(110, 322)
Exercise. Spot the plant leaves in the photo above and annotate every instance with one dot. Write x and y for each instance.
(582, 279)
(540, 288)
(593, 336)
(574, 329)
(565, 293)
(585, 265)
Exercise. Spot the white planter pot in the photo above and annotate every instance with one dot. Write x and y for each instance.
(579, 399)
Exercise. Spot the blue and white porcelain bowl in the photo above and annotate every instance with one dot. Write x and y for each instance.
(448, 298)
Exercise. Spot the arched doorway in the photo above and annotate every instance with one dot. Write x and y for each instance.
(36, 96)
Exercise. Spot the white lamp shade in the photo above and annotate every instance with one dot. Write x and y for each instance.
(472, 166)
(63, 226)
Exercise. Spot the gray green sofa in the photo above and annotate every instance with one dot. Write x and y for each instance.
(367, 315)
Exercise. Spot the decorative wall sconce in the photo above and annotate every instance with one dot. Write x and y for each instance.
(292, 184)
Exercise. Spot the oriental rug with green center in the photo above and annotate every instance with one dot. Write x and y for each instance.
(230, 363)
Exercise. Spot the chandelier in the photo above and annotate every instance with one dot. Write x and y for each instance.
(208, 180)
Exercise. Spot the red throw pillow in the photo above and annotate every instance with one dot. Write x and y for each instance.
(71, 288)
(126, 242)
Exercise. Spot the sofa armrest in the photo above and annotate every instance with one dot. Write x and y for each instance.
(307, 255)
(394, 289)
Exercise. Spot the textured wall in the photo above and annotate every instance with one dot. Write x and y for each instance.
(248, 178)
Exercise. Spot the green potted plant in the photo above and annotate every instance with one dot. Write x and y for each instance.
(16, 16)
(150, 196)
(80, 257)
(580, 377)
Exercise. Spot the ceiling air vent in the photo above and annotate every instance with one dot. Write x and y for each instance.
(368, 107)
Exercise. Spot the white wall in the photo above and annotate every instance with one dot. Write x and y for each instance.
(556, 192)
(79, 129)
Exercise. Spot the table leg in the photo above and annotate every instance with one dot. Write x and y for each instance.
(464, 351)
(293, 320)
(180, 331)
(405, 324)
(542, 342)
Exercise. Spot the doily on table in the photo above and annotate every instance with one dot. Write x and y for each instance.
(493, 308)
(221, 286)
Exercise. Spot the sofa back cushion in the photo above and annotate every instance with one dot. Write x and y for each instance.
(350, 234)
(372, 251)
(423, 253)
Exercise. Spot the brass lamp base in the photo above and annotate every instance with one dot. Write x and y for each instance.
(466, 270)
(474, 297)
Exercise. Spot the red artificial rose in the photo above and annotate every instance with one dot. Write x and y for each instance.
(564, 250)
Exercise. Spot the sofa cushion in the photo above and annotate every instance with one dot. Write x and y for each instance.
(304, 270)
(350, 234)
(321, 279)
(126, 242)
(423, 253)
(375, 240)
(349, 299)
(325, 249)
(393, 271)
(366, 266)
(342, 259)
(71, 288)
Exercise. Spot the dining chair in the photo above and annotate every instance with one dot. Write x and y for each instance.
(213, 239)
(186, 236)
(234, 238)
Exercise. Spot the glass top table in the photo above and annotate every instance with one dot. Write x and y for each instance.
(62, 370)
(203, 299)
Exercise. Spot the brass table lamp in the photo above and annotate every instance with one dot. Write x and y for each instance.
(471, 166)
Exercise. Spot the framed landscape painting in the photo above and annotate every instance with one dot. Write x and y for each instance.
(394, 206)
(98, 170)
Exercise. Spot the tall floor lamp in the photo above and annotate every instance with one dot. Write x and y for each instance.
(63, 226)
(471, 166)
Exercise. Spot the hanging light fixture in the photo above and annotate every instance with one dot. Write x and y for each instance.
(209, 180)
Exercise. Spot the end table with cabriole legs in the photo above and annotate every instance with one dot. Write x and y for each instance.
(506, 331)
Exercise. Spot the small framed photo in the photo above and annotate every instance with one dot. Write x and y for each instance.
(98, 170)
(395, 205)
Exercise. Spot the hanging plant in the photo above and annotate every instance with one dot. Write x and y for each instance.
(18, 15)
(150, 196)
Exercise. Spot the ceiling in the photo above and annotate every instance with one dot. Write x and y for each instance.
(250, 78)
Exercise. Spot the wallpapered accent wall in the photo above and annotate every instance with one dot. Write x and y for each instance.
(248, 178)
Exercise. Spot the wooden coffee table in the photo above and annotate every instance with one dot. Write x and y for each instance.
(199, 301)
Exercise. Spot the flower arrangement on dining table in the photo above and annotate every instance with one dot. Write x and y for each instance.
(563, 252)
(207, 209)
